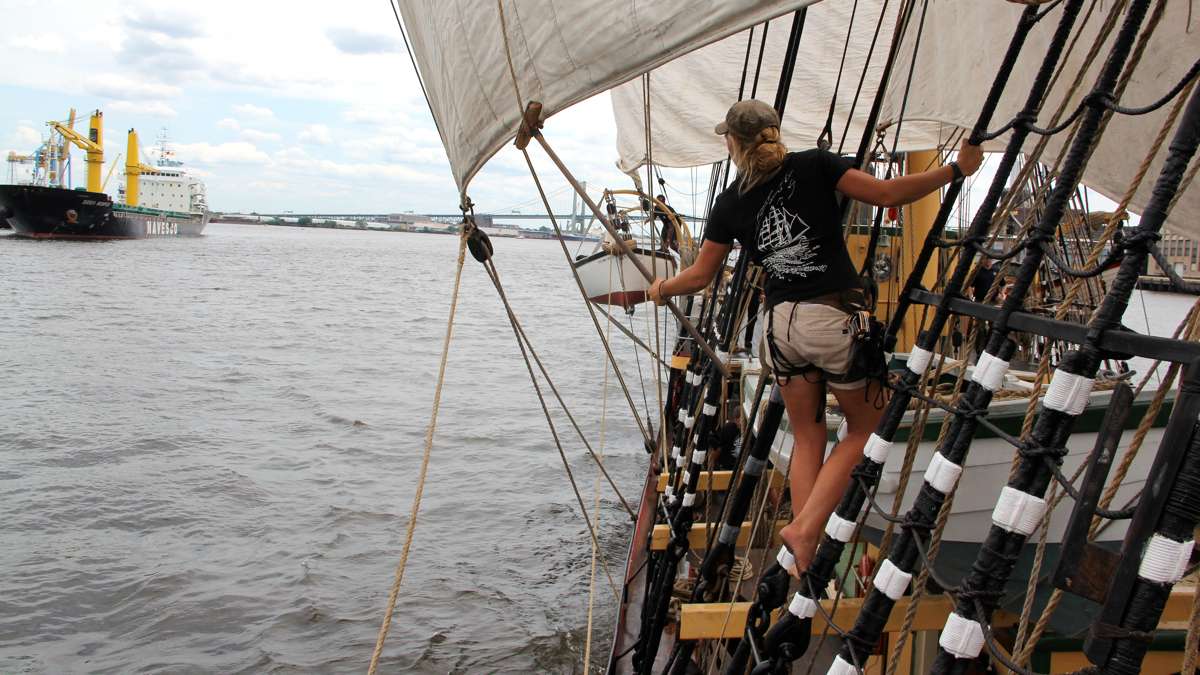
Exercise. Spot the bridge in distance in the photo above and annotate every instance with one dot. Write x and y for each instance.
(441, 217)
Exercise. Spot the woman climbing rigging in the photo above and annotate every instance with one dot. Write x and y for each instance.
(784, 211)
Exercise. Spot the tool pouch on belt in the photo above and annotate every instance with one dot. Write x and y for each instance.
(866, 332)
(866, 347)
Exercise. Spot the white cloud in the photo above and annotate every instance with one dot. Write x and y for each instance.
(268, 185)
(256, 136)
(326, 168)
(170, 23)
(43, 43)
(27, 136)
(367, 121)
(316, 133)
(354, 41)
(254, 111)
(237, 152)
(152, 108)
(23, 140)
(112, 85)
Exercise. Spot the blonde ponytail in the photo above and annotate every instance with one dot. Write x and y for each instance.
(759, 159)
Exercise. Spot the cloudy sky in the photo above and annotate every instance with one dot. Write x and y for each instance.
(309, 107)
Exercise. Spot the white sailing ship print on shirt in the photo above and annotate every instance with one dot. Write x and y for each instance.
(783, 235)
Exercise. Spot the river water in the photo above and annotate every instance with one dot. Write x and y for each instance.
(209, 447)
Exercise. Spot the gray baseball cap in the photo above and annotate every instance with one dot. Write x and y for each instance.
(746, 119)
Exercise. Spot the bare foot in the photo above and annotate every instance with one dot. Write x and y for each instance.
(801, 544)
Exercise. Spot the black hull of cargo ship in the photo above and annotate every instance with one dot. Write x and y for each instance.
(56, 213)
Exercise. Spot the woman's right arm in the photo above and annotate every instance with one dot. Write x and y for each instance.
(692, 278)
(907, 189)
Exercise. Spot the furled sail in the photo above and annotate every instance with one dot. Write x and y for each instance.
(962, 45)
(562, 51)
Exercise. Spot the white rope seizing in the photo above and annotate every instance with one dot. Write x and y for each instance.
(729, 534)
(841, 667)
(689, 421)
(785, 558)
(1068, 392)
(1018, 512)
(802, 607)
(754, 466)
(1165, 560)
(918, 360)
(709, 410)
(891, 580)
(877, 449)
(961, 637)
(698, 456)
(942, 474)
(839, 528)
(989, 371)
(689, 499)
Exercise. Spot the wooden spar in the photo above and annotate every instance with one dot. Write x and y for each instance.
(530, 130)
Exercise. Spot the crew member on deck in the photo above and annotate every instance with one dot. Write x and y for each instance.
(985, 276)
(667, 237)
(783, 208)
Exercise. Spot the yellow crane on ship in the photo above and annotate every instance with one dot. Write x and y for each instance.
(92, 144)
(134, 169)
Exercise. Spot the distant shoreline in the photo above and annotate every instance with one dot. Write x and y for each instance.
(505, 234)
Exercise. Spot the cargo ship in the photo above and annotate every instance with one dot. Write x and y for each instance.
(159, 200)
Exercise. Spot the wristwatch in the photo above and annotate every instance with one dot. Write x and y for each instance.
(958, 172)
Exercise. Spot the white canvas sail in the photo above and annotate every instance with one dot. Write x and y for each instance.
(563, 51)
(962, 47)
(953, 82)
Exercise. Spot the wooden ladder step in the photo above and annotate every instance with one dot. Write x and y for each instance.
(718, 481)
(698, 535)
(720, 620)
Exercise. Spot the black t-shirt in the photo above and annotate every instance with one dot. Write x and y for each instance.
(791, 225)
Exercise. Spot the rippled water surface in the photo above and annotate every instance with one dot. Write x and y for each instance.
(209, 447)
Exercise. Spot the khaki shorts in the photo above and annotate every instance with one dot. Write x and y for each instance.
(809, 337)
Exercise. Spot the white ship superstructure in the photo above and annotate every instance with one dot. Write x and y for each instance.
(169, 187)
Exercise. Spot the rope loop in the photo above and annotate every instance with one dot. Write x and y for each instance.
(914, 521)
(1033, 451)
(1138, 239)
(1100, 99)
(825, 140)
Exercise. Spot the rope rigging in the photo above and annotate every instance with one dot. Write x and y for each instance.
(850, 507)
(697, 393)
(528, 351)
(411, 528)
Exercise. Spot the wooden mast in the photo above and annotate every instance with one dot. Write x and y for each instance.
(917, 221)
